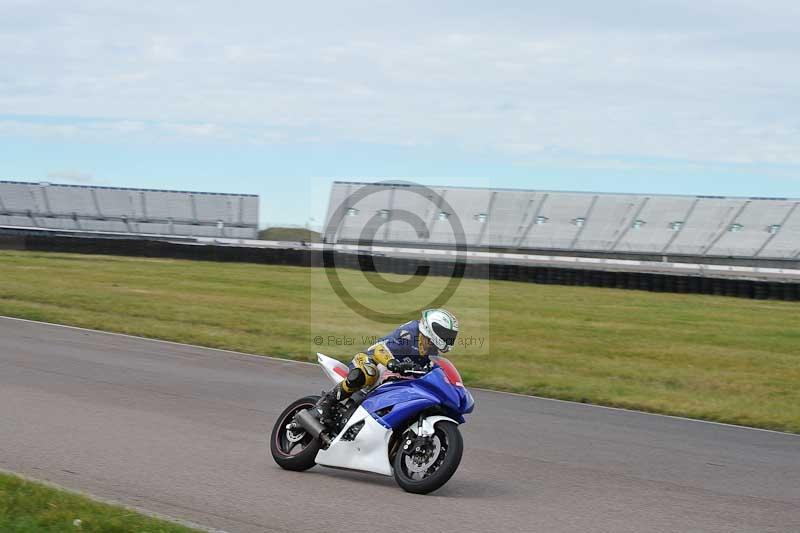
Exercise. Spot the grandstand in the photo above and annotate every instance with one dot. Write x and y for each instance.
(571, 222)
(745, 247)
(116, 210)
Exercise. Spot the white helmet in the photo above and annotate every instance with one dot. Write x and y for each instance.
(440, 326)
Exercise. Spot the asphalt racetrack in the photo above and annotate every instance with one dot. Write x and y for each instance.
(182, 431)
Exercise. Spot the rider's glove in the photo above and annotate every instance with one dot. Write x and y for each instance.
(399, 367)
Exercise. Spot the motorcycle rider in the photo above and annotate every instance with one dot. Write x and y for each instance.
(408, 346)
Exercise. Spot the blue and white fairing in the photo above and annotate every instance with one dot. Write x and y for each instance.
(393, 403)
(390, 407)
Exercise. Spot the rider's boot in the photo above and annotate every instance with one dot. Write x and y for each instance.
(329, 399)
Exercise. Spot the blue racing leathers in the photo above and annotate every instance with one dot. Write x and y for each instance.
(403, 344)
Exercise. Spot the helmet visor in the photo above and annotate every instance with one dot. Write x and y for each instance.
(446, 334)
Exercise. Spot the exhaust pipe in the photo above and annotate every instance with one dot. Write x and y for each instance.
(312, 425)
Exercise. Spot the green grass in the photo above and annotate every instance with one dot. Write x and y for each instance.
(289, 234)
(715, 358)
(28, 507)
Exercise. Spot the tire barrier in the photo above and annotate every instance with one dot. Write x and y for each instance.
(731, 287)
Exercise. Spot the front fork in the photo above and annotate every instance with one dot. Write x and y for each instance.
(419, 442)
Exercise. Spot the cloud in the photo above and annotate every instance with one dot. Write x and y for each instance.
(194, 130)
(700, 81)
(123, 126)
(23, 128)
(98, 130)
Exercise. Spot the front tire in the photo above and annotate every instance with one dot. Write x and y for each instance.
(422, 476)
(294, 449)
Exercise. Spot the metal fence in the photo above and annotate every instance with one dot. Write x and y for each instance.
(743, 288)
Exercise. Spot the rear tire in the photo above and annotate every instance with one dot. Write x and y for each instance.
(451, 445)
(284, 445)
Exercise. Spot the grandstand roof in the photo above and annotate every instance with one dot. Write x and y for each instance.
(531, 219)
(90, 208)
(390, 183)
(49, 184)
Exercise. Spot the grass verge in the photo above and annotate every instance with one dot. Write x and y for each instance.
(289, 234)
(29, 507)
(724, 359)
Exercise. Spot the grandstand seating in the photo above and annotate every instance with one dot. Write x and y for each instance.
(766, 228)
(122, 210)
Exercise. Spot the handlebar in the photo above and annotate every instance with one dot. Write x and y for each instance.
(407, 369)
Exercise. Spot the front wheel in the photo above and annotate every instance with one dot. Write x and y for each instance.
(291, 446)
(422, 465)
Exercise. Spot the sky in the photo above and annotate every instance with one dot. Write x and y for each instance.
(280, 99)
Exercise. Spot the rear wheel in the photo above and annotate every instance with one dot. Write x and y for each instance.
(291, 446)
(428, 462)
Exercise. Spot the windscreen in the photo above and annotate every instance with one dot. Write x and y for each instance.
(449, 370)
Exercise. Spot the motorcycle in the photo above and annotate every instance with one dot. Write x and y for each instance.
(406, 428)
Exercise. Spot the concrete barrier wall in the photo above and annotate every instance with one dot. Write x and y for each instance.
(741, 288)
